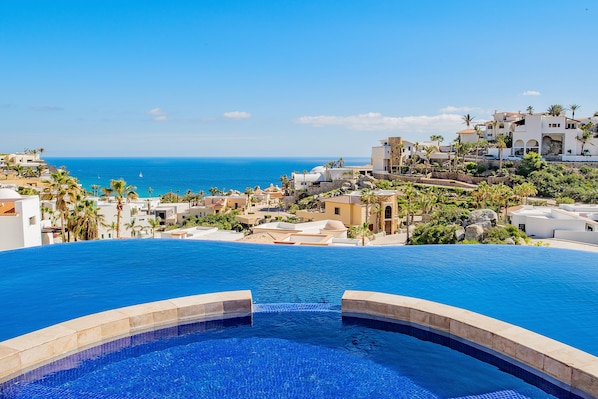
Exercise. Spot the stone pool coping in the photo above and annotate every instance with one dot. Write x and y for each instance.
(570, 366)
(27, 352)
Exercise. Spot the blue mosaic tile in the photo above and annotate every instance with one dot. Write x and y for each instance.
(294, 307)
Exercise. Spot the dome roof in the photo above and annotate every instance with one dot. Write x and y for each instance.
(334, 225)
(7, 193)
(318, 169)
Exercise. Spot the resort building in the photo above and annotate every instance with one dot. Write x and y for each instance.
(20, 220)
(391, 154)
(557, 138)
(351, 211)
(569, 222)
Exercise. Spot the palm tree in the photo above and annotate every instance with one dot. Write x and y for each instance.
(410, 206)
(437, 138)
(468, 120)
(362, 231)
(525, 190)
(482, 194)
(64, 189)
(573, 107)
(555, 110)
(501, 145)
(502, 195)
(134, 227)
(368, 197)
(85, 220)
(154, 224)
(248, 192)
(214, 191)
(530, 110)
(340, 162)
(122, 192)
(429, 150)
(95, 189)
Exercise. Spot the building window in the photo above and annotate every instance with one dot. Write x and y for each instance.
(388, 212)
(501, 126)
(489, 127)
(32, 221)
(337, 211)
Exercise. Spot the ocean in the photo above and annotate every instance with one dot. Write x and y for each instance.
(182, 174)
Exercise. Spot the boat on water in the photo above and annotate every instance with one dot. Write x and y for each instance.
(140, 174)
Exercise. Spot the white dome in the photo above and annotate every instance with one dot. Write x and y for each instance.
(7, 193)
(318, 169)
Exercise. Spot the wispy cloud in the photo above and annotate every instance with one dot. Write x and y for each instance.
(46, 108)
(531, 93)
(5, 106)
(452, 109)
(158, 113)
(237, 115)
(374, 121)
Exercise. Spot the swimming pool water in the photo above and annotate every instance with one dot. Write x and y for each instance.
(278, 355)
(551, 291)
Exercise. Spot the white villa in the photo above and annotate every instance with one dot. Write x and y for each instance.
(20, 220)
(577, 222)
(554, 137)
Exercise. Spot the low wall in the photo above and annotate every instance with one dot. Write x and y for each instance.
(26, 352)
(565, 364)
(588, 237)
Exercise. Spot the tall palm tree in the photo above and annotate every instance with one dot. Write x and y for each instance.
(573, 107)
(502, 196)
(64, 189)
(362, 231)
(248, 192)
(530, 110)
(438, 138)
(501, 144)
(410, 206)
(468, 120)
(122, 193)
(368, 197)
(134, 227)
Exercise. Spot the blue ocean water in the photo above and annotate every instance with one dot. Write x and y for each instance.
(182, 174)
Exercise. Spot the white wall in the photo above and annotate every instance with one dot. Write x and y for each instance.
(24, 229)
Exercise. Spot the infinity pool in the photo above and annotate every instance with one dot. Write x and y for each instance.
(550, 291)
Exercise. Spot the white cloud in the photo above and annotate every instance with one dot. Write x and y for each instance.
(237, 115)
(531, 93)
(374, 121)
(158, 113)
(451, 109)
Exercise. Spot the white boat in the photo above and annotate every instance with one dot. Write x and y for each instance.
(140, 174)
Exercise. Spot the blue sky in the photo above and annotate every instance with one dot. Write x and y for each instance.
(280, 78)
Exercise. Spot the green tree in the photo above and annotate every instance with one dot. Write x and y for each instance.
(530, 110)
(555, 110)
(64, 189)
(122, 193)
(573, 108)
(525, 190)
(586, 136)
(154, 224)
(368, 197)
(468, 119)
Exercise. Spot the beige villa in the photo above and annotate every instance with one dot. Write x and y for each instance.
(351, 211)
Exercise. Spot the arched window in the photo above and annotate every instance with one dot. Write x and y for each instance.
(388, 212)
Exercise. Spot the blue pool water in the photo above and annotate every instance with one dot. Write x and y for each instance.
(277, 355)
(550, 291)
